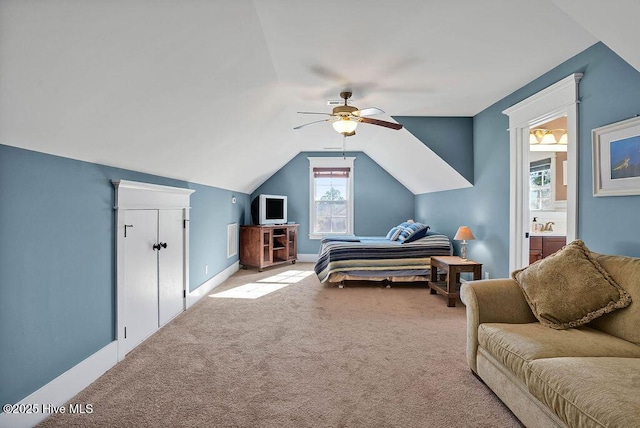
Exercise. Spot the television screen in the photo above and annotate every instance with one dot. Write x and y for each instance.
(274, 209)
(269, 209)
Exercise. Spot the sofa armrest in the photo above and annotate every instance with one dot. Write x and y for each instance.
(492, 300)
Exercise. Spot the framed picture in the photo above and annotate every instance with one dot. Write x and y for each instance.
(616, 158)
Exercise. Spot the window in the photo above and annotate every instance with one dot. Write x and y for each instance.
(331, 196)
(540, 197)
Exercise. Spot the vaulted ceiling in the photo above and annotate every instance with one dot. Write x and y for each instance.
(207, 91)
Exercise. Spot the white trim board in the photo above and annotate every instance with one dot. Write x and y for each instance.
(68, 384)
(206, 287)
(559, 99)
(136, 195)
(132, 195)
(63, 388)
(331, 162)
(307, 258)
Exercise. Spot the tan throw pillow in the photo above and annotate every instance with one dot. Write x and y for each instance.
(570, 288)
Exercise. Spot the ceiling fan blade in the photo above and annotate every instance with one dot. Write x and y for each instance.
(368, 112)
(380, 123)
(311, 123)
(313, 112)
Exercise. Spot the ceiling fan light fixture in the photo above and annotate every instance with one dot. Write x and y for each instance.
(345, 118)
(345, 126)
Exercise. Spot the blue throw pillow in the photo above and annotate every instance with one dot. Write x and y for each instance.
(403, 224)
(394, 233)
(409, 230)
(419, 233)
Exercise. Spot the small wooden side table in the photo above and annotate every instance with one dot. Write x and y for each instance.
(453, 265)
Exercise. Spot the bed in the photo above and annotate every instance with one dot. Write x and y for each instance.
(379, 258)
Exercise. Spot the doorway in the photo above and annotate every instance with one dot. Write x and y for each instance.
(548, 144)
(558, 102)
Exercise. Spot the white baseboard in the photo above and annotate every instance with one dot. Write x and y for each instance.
(212, 283)
(308, 258)
(62, 389)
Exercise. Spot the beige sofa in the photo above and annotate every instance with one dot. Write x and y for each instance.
(587, 376)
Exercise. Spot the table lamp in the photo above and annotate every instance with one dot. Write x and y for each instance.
(463, 234)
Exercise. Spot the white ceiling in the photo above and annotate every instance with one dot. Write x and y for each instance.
(207, 91)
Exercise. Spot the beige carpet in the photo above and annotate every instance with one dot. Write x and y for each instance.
(306, 355)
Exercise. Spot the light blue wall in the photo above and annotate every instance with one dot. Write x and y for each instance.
(57, 260)
(381, 201)
(609, 92)
(211, 212)
(451, 138)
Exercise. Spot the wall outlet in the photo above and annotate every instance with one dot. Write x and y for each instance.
(486, 275)
(206, 269)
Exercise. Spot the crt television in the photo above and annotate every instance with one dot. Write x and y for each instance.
(269, 209)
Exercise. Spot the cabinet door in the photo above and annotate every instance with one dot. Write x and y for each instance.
(140, 277)
(535, 249)
(170, 264)
(266, 241)
(551, 244)
(293, 243)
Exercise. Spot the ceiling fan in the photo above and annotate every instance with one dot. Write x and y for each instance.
(345, 118)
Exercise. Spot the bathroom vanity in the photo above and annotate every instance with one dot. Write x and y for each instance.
(544, 244)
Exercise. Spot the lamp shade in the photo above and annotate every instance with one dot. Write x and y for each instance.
(344, 125)
(463, 234)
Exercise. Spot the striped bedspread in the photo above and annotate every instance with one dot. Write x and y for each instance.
(379, 254)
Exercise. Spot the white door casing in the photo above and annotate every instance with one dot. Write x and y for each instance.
(559, 99)
(135, 196)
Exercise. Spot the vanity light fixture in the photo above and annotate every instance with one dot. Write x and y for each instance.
(547, 136)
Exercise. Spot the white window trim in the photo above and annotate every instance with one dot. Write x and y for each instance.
(330, 162)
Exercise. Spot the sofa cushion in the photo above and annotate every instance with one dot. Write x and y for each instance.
(570, 288)
(515, 345)
(624, 322)
(589, 392)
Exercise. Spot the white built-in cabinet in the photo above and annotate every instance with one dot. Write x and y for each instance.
(152, 242)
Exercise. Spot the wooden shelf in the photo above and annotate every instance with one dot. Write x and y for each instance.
(264, 246)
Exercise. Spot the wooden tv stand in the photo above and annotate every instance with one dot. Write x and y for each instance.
(268, 245)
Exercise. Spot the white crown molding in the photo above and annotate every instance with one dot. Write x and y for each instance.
(136, 195)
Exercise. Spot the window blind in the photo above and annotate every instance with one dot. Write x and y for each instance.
(342, 172)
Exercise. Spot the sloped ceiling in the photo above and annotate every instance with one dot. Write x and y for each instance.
(614, 22)
(207, 91)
